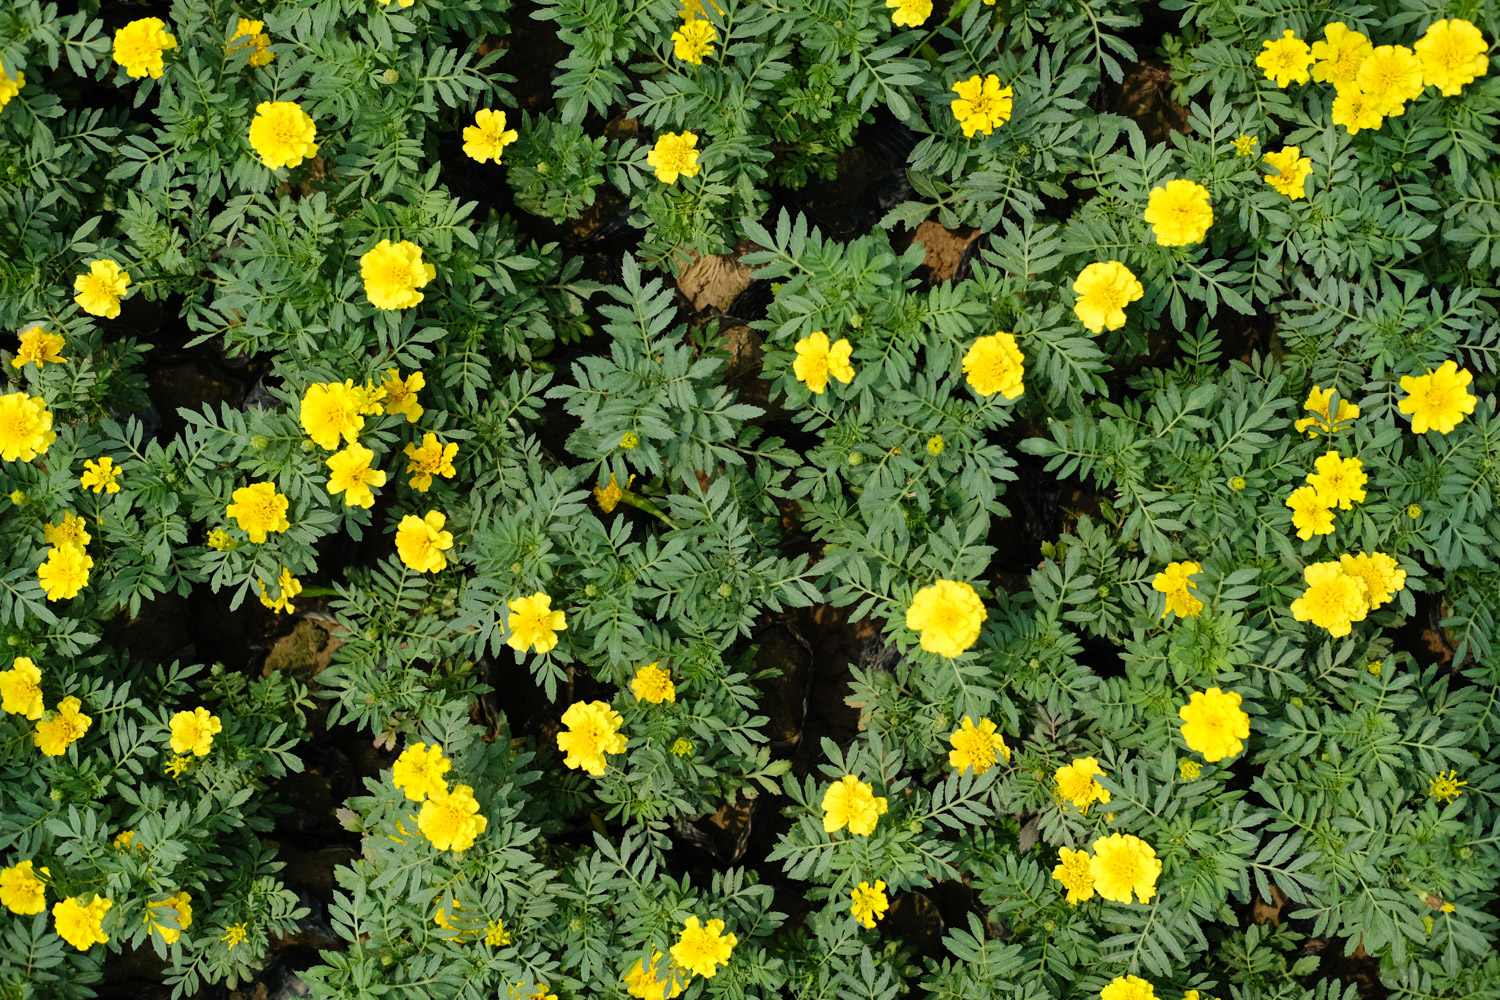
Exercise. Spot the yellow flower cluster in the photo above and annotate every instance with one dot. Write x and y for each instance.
(450, 820)
(65, 571)
(1337, 483)
(1341, 593)
(1373, 83)
(1122, 866)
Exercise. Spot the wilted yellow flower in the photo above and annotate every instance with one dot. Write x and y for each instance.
(288, 586)
(101, 476)
(1319, 401)
(235, 934)
(1445, 786)
(282, 134)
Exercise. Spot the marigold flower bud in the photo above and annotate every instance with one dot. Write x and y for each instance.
(1237, 483)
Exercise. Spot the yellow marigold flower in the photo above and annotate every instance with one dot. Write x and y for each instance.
(1436, 401)
(630, 440)
(1333, 600)
(10, 86)
(1078, 785)
(1293, 170)
(21, 689)
(194, 731)
(259, 509)
(1122, 864)
(852, 803)
(71, 531)
(682, 747)
(1319, 401)
(869, 903)
(1339, 481)
(981, 105)
(53, 736)
(673, 155)
(255, 38)
(101, 476)
(694, 40)
(1452, 53)
(401, 396)
(219, 540)
(100, 291)
(451, 820)
(910, 13)
(1391, 76)
(949, 615)
(65, 572)
(38, 347)
(177, 765)
(421, 542)
(995, 364)
(487, 138)
(495, 934)
(701, 949)
(977, 747)
(1338, 57)
(1244, 145)
(608, 495)
(1128, 988)
(935, 445)
(518, 991)
(1285, 59)
(170, 925)
(1180, 213)
(330, 410)
(79, 925)
(25, 427)
(593, 730)
(1383, 579)
(289, 587)
(139, 47)
(22, 892)
(419, 771)
(1440, 786)
(1104, 290)
(124, 840)
(1312, 513)
(233, 935)
(1355, 110)
(817, 359)
(1074, 872)
(643, 982)
(433, 458)
(352, 476)
(282, 134)
(393, 272)
(1190, 770)
(1175, 583)
(534, 625)
(1213, 723)
(653, 684)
